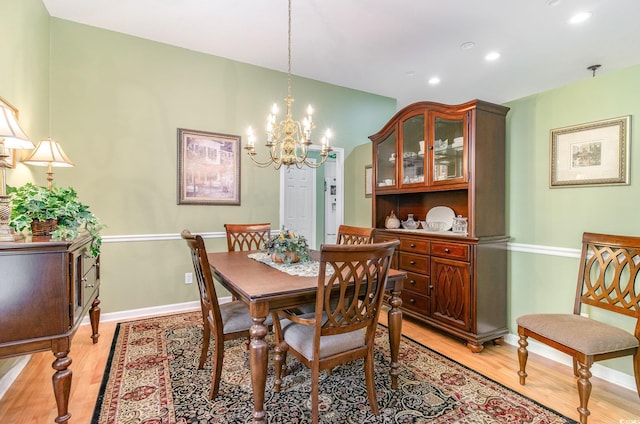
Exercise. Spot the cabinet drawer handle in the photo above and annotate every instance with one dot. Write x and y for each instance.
(412, 245)
(412, 300)
(446, 250)
(412, 262)
(412, 281)
(430, 287)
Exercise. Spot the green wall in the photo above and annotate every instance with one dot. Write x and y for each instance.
(552, 220)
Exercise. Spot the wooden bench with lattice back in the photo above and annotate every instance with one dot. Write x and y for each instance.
(608, 278)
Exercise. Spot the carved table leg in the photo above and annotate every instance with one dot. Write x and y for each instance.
(62, 384)
(395, 330)
(258, 354)
(94, 316)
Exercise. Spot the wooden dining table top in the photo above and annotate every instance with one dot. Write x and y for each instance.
(260, 281)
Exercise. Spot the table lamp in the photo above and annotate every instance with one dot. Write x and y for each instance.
(12, 137)
(48, 153)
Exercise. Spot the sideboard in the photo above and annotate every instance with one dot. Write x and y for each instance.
(46, 288)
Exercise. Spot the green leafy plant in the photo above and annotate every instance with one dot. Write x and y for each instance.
(285, 242)
(31, 202)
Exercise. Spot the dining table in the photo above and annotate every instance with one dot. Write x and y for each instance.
(265, 288)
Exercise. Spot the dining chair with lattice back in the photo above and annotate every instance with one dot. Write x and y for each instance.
(608, 278)
(242, 237)
(225, 321)
(338, 331)
(348, 234)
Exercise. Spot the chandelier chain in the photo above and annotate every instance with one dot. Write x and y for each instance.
(289, 55)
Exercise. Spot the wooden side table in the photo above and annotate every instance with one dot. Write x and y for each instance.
(46, 288)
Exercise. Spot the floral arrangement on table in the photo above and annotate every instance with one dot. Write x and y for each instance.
(287, 248)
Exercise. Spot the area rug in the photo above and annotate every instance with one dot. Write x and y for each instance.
(152, 377)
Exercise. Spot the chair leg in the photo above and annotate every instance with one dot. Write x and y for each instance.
(636, 369)
(218, 358)
(279, 358)
(206, 338)
(371, 384)
(315, 380)
(584, 390)
(523, 355)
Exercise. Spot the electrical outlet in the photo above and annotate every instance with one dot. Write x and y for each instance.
(188, 277)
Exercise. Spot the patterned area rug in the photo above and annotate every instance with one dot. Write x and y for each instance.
(152, 377)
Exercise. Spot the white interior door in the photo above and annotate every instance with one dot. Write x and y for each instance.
(290, 208)
(299, 208)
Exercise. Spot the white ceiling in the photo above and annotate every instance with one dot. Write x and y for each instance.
(392, 47)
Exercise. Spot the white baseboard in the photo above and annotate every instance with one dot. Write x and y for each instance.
(10, 376)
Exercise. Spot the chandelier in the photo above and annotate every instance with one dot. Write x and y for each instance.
(288, 141)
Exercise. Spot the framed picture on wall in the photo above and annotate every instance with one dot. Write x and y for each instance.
(596, 153)
(368, 181)
(208, 168)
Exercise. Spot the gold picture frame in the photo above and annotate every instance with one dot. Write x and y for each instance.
(595, 153)
(208, 168)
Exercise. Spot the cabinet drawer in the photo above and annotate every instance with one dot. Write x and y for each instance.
(416, 302)
(450, 250)
(415, 263)
(417, 283)
(414, 245)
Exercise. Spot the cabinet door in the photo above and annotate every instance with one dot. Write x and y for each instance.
(451, 292)
(385, 171)
(412, 151)
(448, 149)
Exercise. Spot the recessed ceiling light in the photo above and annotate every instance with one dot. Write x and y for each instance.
(579, 17)
(467, 45)
(492, 56)
(434, 81)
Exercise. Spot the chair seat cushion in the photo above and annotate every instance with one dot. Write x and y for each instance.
(300, 338)
(580, 333)
(235, 317)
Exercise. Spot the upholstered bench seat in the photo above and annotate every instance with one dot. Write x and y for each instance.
(579, 333)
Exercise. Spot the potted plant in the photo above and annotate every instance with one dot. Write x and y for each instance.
(287, 248)
(59, 207)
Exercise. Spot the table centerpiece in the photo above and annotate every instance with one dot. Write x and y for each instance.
(287, 247)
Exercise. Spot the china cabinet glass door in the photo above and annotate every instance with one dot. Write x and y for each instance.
(412, 150)
(449, 148)
(386, 162)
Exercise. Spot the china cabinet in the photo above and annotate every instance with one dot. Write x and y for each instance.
(429, 158)
(46, 288)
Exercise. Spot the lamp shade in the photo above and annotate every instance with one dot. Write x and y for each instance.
(14, 137)
(48, 152)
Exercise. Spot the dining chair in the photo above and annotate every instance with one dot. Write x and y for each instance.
(225, 321)
(354, 235)
(342, 331)
(241, 237)
(608, 278)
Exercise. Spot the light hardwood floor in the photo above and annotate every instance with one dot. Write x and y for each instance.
(30, 399)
